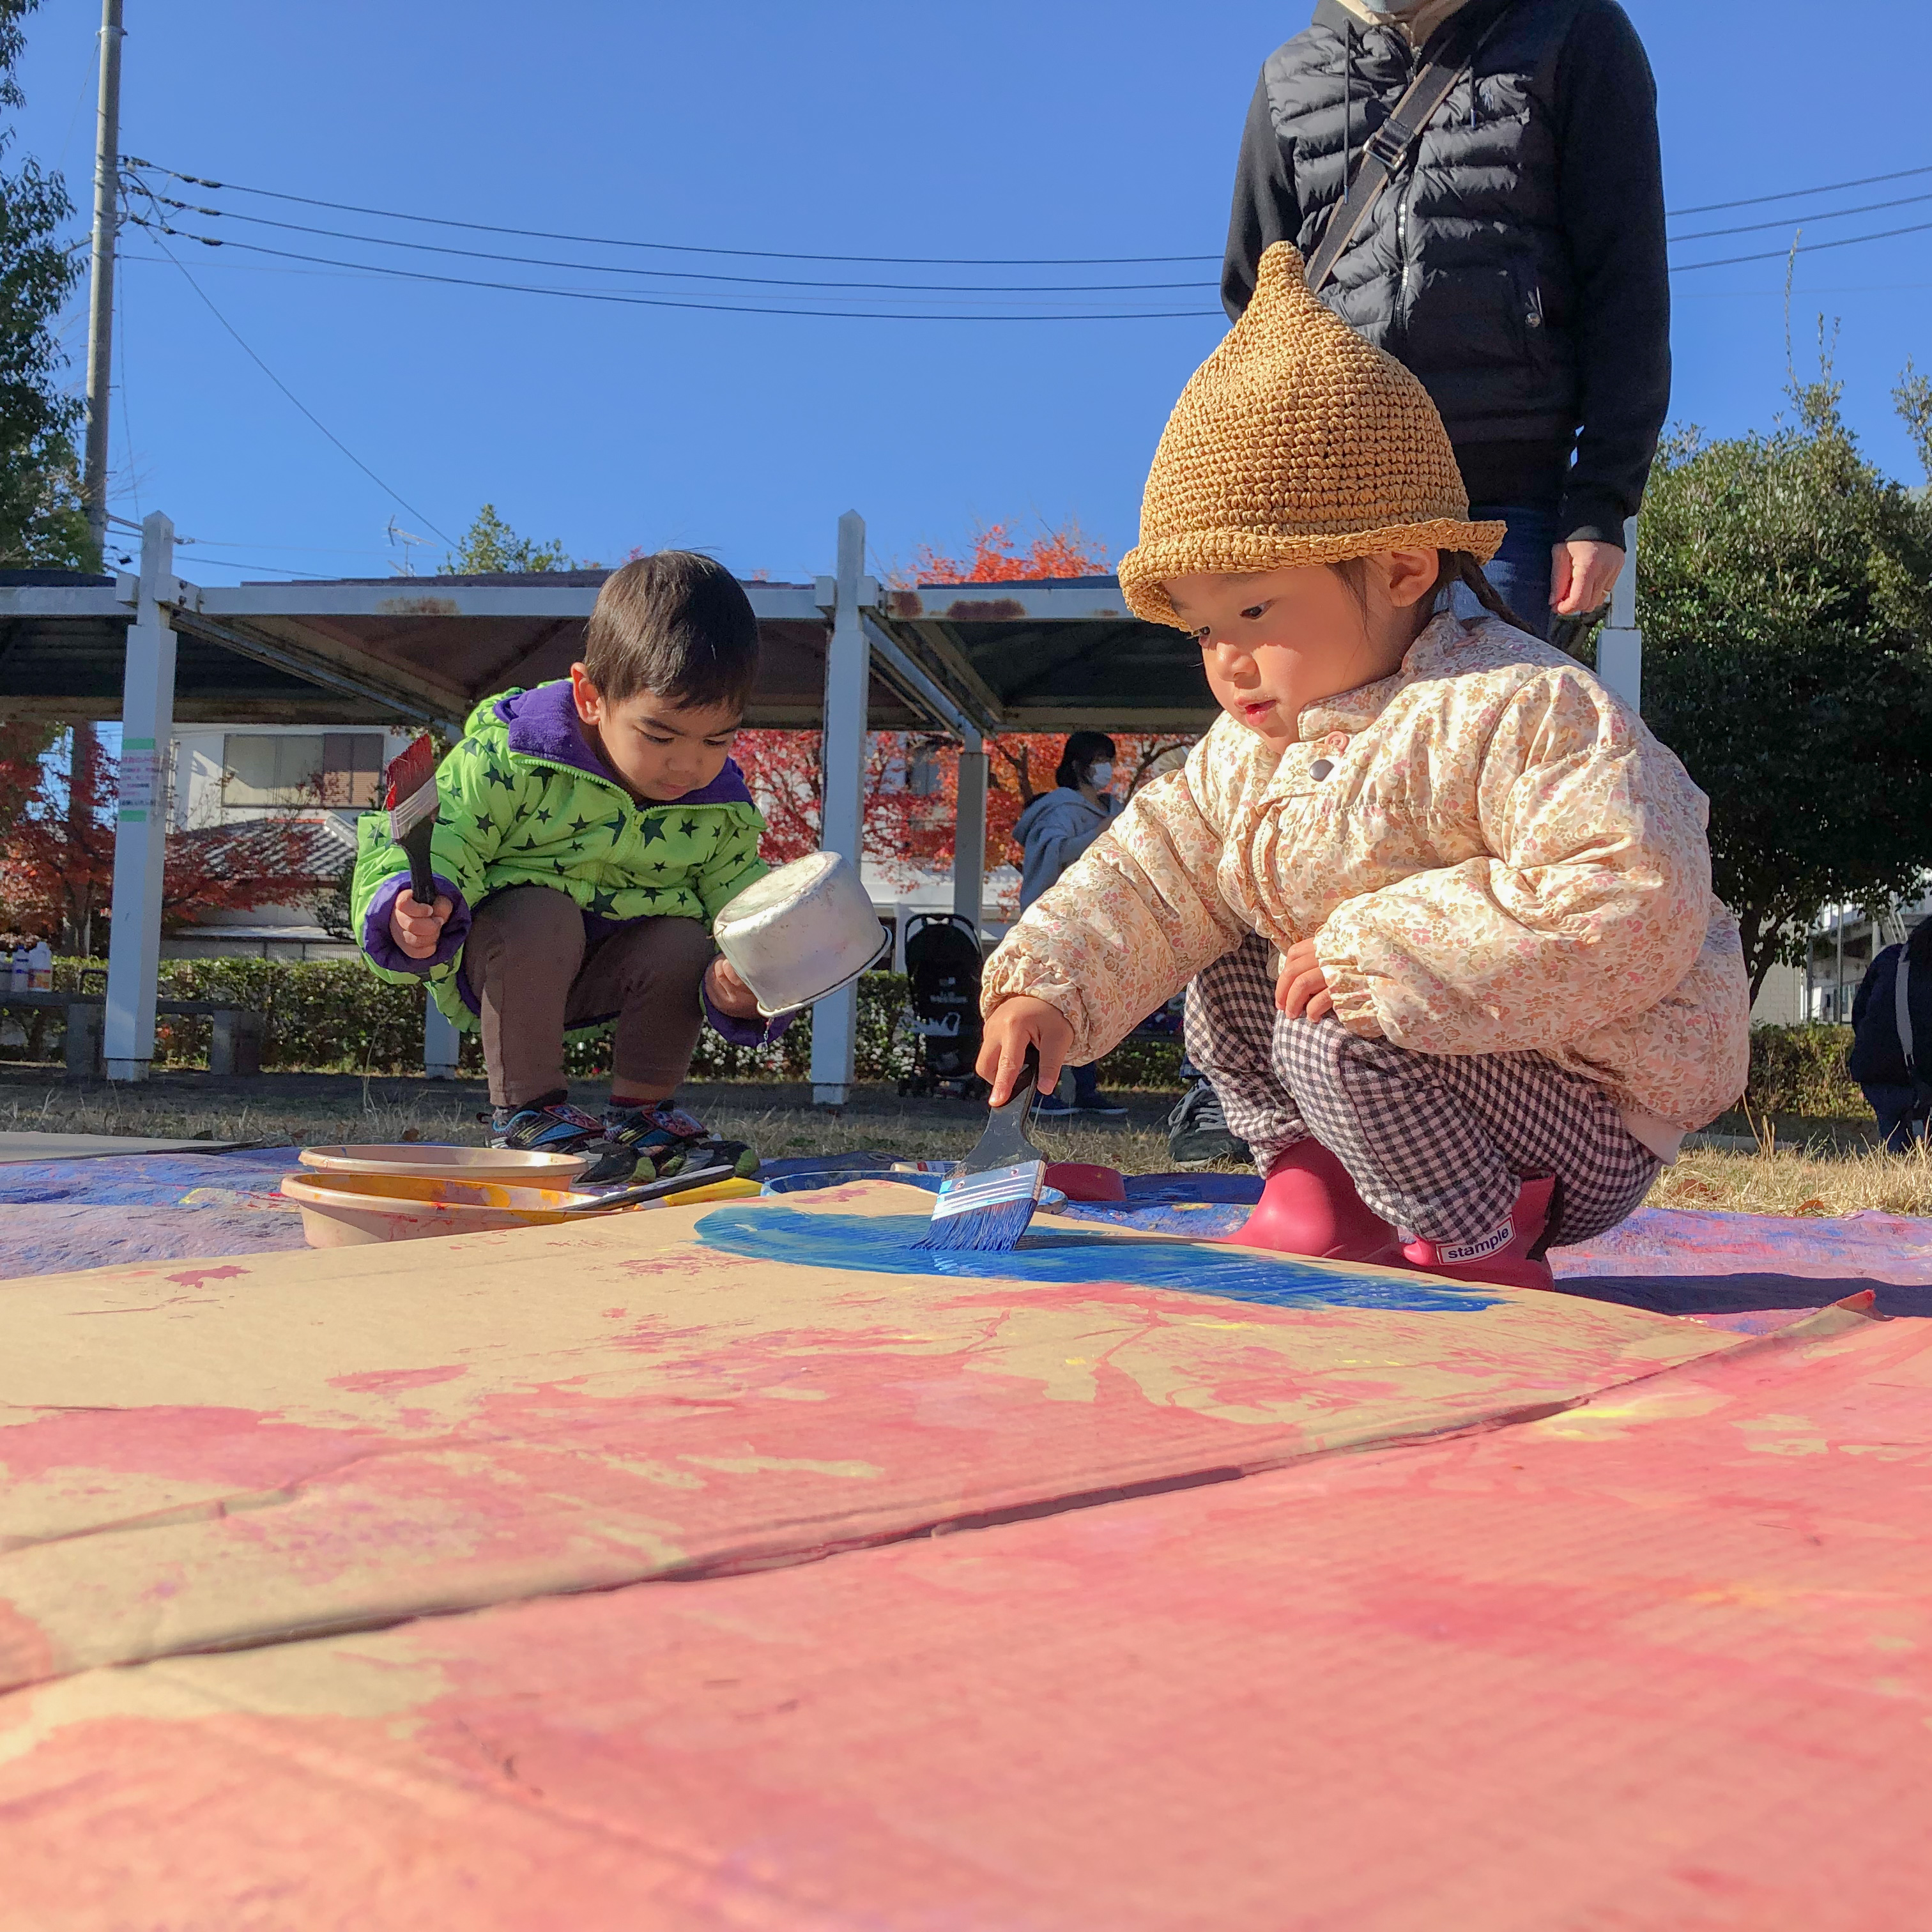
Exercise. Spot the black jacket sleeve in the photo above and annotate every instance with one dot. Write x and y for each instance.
(1611, 189)
(1264, 210)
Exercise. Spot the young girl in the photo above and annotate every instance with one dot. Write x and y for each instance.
(1458, 975)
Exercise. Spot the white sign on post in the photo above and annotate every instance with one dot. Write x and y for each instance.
(138, 779)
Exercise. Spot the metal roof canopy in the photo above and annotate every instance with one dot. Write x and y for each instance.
(966, 660)
(1049, 656)
(969, 659)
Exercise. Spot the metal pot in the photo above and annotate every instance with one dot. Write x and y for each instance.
(801, 932)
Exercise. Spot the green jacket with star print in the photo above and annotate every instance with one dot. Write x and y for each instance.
(523, 800)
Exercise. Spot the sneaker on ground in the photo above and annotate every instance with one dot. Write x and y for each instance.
(1197, 1133)
(559, 1128)
(641, 1143)
(1051, 1107)
(1098, 1105)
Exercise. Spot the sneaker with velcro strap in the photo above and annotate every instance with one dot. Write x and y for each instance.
(555, 1127)
(641, 1143)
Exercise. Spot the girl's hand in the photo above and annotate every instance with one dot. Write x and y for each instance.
(1302, 991)
(728, 993)
(1015, 1025)
(417, 928)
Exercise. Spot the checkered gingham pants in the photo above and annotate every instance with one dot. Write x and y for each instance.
(1435, 1144)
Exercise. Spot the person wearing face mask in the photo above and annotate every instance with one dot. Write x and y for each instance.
(1513, 260)
(1052, 832)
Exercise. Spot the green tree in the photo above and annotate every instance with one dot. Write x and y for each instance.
(490, 545)
(1785, 591)
(41, 520)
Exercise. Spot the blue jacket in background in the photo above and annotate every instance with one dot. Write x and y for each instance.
(1053, 831)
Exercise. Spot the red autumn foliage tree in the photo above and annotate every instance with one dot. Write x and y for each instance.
(996, 559)
(912, 783)
(57, 856)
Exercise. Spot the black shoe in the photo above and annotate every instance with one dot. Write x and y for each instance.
(1097, 1104)
(1197, 1133)
(642, 1144)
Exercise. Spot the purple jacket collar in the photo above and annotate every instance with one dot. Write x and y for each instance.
(543, 724)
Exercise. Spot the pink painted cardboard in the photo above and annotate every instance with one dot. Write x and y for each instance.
(1663, 1660)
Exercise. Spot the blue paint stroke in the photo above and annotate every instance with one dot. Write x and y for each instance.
(884, 1244)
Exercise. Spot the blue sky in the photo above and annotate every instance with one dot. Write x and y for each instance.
(993, 130)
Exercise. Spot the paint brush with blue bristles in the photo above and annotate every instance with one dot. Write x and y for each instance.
(986, 1201)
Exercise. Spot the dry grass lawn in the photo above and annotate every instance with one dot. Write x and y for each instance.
(315, 1108)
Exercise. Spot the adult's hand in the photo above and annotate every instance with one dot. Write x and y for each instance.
(415, 928)
(1581, 575)
(1015, 1025)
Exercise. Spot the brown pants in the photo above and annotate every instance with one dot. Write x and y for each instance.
(528, 964)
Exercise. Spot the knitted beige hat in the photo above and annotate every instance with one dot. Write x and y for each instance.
(1297, 442)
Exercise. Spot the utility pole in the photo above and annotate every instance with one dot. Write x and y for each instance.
(100, 307)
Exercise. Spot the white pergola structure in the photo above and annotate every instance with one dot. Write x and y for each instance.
(962, 660)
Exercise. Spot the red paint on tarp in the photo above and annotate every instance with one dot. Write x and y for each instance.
(380, 1380)
(243, 1447)
(197, 1277)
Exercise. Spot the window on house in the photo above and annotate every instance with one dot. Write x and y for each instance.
(331, 768)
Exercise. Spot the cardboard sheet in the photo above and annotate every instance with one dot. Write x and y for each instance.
(234, 1453)
(1663, 1660)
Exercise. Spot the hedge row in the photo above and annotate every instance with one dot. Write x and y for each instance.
(1801, 1070)
(328, 1016)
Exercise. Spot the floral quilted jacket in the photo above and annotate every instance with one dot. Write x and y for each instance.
(1490, 850)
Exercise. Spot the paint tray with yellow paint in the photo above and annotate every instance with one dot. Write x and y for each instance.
(340, 1209)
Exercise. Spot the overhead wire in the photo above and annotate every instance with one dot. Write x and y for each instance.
(388, 489)
(685, 275)
(609, 295)
(688, 247)
(914, 261)
(1794, 193)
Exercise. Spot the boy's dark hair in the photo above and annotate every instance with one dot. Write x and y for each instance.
(1082, 749)
(1452, 567)
(676, 625)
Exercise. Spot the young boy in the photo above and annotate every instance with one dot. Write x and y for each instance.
(588, 832)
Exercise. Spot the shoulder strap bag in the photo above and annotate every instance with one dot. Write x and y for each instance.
(1387, 147)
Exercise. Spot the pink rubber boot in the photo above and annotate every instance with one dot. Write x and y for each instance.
(1309, 1206)
(1503, 1258)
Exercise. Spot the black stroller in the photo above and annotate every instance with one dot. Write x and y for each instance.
(943, 962)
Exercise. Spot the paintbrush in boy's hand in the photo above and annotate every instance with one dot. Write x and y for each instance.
(988, 1198)
(411, 799)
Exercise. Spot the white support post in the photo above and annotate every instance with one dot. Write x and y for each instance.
(442, 1042)
(835, 1019)
(969, 832)
(141, 829)
(1620, 643)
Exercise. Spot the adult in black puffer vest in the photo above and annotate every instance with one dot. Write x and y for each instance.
(1897, 1085)
(1515, 262)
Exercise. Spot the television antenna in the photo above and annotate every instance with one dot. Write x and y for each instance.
(397, 536)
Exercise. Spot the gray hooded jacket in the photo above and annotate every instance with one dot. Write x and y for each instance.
(1053, 831)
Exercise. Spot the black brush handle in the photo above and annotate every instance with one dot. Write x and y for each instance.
(415, 846)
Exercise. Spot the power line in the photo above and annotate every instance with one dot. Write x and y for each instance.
(907, 261)
(1806, 248)
(1829, 215)
(685, 275)
(691, 248)
(293, 397)
(157, 228)
(1793, 193)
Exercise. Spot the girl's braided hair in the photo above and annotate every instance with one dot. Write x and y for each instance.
(1452, 567)
(1459, 566)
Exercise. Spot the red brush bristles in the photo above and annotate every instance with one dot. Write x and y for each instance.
(409, 771)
